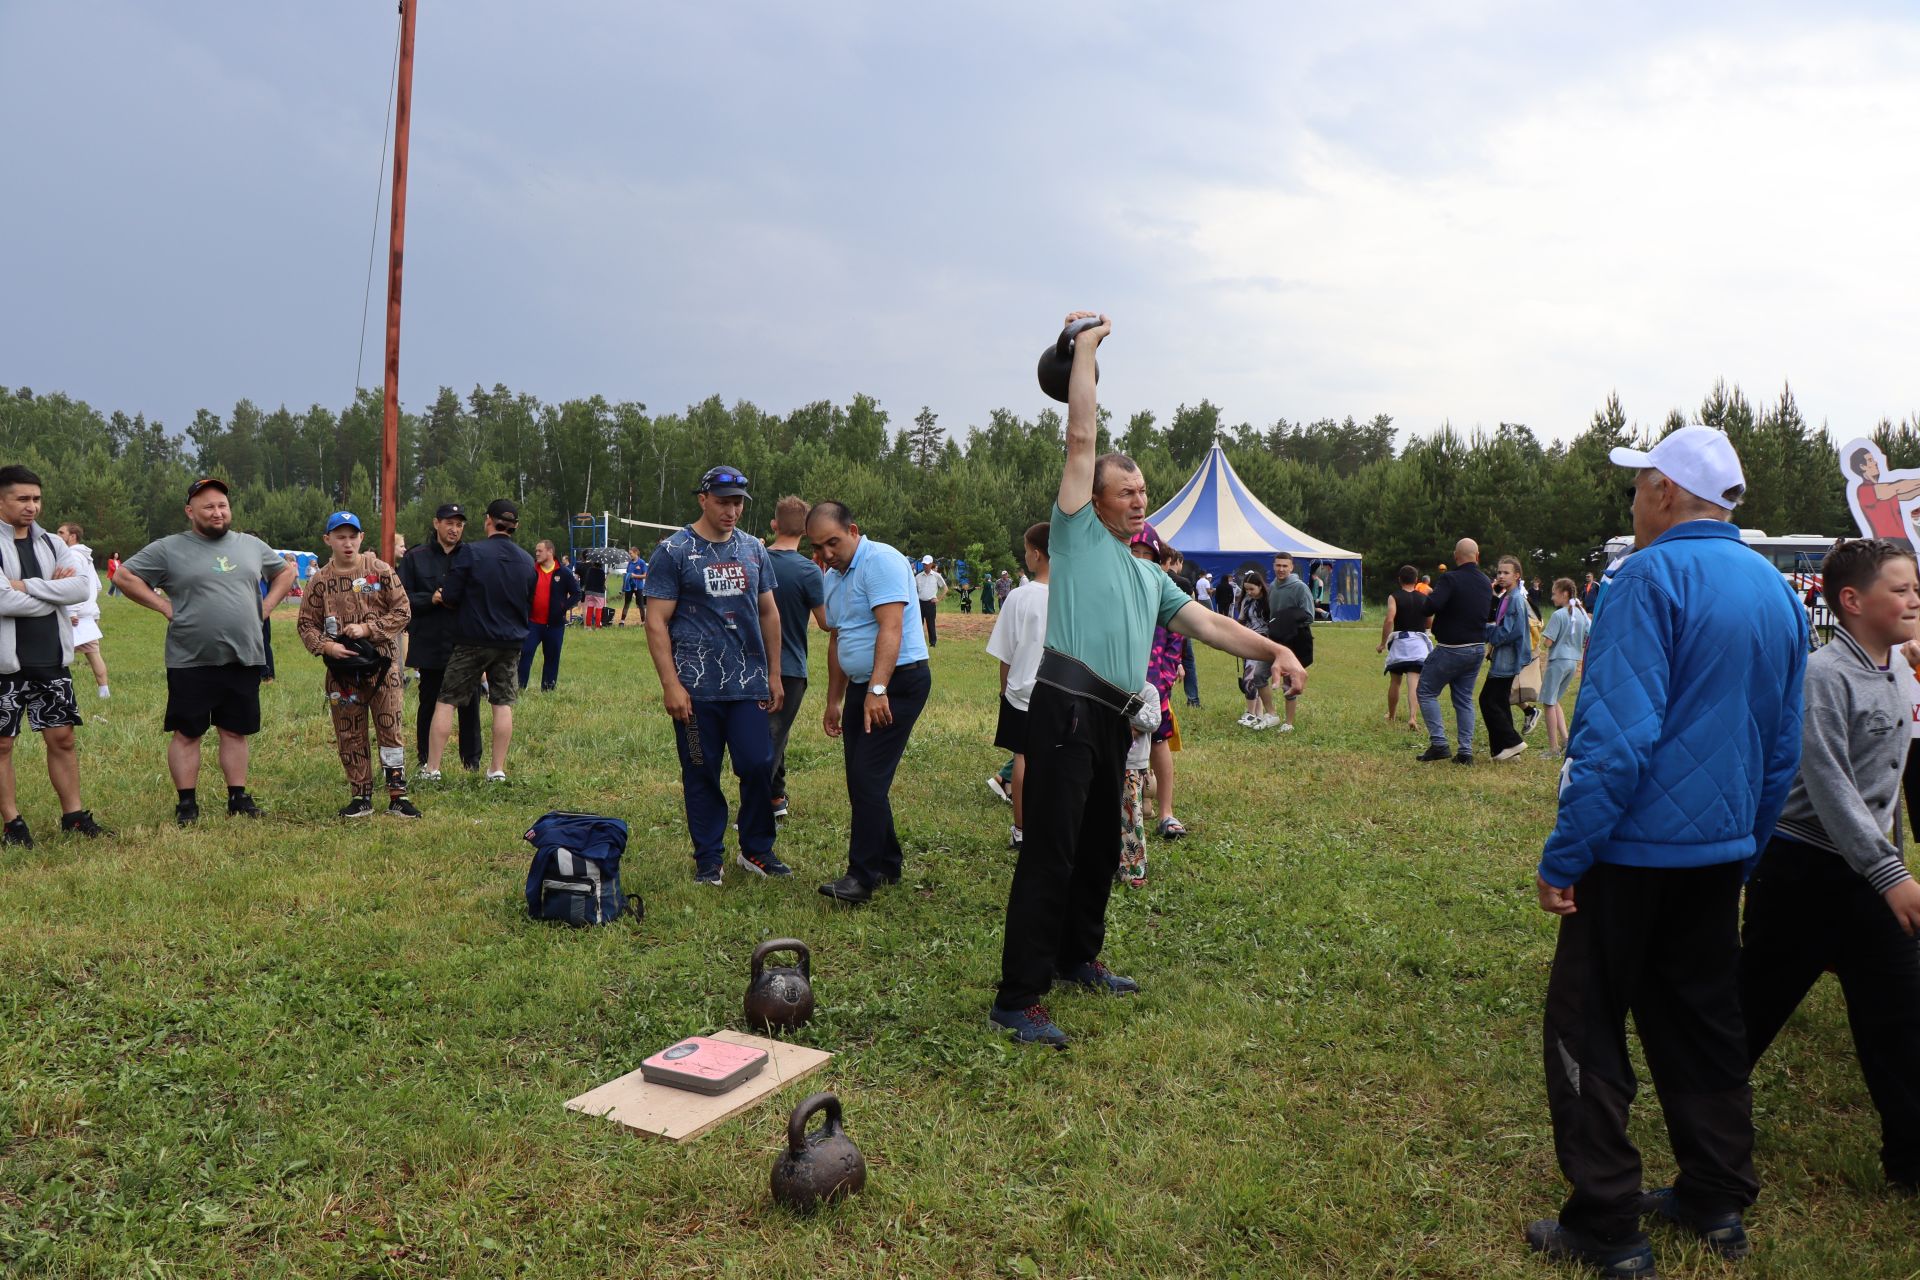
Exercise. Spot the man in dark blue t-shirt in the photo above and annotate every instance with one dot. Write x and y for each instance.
(713, 613)
(799, 590)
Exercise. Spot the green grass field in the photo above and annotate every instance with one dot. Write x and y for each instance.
(307, 1048)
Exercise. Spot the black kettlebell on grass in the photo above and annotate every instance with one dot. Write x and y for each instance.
(820, 1166)
(781, 996)
(1056, 362)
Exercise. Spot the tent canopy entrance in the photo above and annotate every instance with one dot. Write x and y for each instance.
(1218, 524)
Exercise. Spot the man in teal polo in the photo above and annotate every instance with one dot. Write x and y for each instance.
(1102, 607)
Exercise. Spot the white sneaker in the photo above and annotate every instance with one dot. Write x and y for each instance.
(1266, 721)
(1248, 721)
(999, 788)
(1286, 728)
(1510, 752)
(495, 775)
(105, 692)
(424, 774)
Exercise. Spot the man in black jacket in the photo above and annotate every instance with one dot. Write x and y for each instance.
(1460, 604)
(430, 635)
(490, 585)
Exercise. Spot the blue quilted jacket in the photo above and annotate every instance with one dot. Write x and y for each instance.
(1687, 734)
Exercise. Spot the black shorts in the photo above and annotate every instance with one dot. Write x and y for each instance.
(44, 702)
(1011, 733)
(225, 697)
(1302, 646)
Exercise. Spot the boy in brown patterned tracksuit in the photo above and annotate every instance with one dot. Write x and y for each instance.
(361, 597)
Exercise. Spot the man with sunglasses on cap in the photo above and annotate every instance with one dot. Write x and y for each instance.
(214, 578)
(423, 570)
(351, 615)
(714, 633)
(489, 586)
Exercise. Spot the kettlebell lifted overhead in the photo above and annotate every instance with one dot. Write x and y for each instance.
(1056, 362)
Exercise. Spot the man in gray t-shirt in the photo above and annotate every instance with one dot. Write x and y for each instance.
(214, 607)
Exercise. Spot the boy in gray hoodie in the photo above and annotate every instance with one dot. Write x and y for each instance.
(1832, 890)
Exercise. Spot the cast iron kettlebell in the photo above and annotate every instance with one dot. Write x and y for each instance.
(1056, 362)
(781, 996)
(819, 1166)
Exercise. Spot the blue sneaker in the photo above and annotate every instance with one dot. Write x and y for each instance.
(1632, 1256)
(1031, 1025)
(1723, 1233)
(706, 875)
(1095, 976)
(763, 864)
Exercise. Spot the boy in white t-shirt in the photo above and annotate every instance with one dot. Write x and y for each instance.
(1019, 635)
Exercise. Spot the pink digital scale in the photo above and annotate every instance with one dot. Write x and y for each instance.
(703, 1065)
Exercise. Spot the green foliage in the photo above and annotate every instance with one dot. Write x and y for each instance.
(1350, 481)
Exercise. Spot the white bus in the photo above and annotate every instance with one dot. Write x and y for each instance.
(1796, 555)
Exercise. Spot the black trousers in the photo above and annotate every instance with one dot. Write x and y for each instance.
(1808, 911)
(1663, 944)
(929, 610)
(1910, 791)
(873, 847)
(467, 714)
(1496, 712)
(1057, 907)
(794, 692)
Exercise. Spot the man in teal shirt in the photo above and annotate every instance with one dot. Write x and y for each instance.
(1102, 607)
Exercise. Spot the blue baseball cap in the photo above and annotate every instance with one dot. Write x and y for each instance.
(723, 482)
(339, 518)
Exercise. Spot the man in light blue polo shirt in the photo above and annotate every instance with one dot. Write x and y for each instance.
(877, 684)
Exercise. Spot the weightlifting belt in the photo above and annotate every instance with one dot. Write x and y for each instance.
(1070, 675)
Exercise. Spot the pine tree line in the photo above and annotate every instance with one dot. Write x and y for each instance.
(1354, 483)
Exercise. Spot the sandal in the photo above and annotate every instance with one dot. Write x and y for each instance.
(1170, 829)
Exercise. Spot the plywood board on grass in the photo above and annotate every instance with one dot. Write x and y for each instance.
(683, 1115)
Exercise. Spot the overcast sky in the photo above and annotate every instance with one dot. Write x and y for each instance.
(1471, 211)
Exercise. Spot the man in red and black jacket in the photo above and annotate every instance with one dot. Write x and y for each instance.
(555, 592)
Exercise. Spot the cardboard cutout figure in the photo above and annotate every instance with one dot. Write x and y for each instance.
(1882, 501)
(1883, 505)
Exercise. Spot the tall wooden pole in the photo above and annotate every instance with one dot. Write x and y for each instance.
(396, 245)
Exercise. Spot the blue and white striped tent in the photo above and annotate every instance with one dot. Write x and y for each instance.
(1218, 524)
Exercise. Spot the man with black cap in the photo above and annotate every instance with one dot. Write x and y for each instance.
(490, 586)
(351, 615)
(214, 605)
(714, 633)
(423, 570)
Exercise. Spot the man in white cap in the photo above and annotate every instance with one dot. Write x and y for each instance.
(932, 589)
(1682, 755)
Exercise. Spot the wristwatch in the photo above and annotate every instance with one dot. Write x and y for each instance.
(876, 691)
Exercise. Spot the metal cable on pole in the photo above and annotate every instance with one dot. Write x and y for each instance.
(379, 189)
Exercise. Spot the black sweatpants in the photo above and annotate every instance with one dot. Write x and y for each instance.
(794, 692)
(1057, 908)
(1496, 712)
(1808, 911)
(467, 715)
(873, 846)
(929, 612)
(1910, 791)
(1662, 943)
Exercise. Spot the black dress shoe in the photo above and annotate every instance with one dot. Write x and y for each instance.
(849, 888)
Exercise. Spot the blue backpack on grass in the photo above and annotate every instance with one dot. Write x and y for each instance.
(575, 876)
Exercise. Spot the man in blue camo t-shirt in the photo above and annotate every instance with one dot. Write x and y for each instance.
(714, 633)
